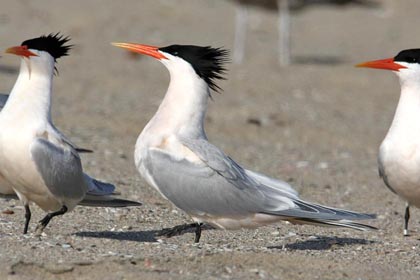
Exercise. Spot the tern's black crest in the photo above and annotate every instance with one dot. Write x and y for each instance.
(54, 44)
(207, 62)
(410, 56)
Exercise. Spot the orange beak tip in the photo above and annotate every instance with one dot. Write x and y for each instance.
(115, 44)
(362, 64)
(10, 50)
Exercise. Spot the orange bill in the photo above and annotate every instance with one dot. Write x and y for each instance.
(20, 50)
(387, 64)
(142, 49)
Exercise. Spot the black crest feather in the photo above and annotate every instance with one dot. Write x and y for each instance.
(207, 62)
(410, 56)
(54, 44)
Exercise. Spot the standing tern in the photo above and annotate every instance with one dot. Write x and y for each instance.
(37, 161)
(399, 153)
(174, 156)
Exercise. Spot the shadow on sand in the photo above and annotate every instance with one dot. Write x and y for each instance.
(139, 236)
(323, 243)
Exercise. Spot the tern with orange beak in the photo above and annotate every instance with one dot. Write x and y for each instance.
(399, 153)
(37, 161)
(174, 156)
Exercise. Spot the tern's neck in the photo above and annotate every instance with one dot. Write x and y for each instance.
(31, 94)
(184, 106)
(406, 121)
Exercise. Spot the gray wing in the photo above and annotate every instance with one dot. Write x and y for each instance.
(257, 191)
(3, 100)
(60, 169)
(271, 182)
(98, 188)
(229, 169)
(197, 188)
(57, 135)
(101, 194)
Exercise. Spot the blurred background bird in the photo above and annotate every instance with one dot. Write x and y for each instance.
(284, 10)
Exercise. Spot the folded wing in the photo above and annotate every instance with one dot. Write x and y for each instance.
(258, 192)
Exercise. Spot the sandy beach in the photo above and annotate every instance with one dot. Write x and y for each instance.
(317, 124)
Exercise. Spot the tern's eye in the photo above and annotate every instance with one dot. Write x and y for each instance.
(412, 59)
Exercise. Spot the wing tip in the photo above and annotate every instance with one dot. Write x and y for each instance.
(113, 202)
(334, 223)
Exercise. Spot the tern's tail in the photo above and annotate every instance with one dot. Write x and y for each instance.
(309, 213)
(102, 194)
(336, 223)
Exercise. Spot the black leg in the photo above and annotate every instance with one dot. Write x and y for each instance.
(44, 222)
(176, 230)
(181, 229)
(197, 233)
(406, 218)
(27, 218)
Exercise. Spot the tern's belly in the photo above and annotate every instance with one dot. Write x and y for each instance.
(253, 220)
(402, 172)
(408, 189)
(30, 186)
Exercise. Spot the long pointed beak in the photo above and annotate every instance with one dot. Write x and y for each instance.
(387, 64)
(20, 50)
(142, 49)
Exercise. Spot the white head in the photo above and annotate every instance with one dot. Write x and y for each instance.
(406, 65)
(204, 63)
(40, 54)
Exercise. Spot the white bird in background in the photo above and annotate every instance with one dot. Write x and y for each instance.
(173, 155)
(37, 162)
(241, 22)
(399, 153)
(284, 9)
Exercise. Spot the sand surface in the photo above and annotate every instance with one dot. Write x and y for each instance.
(317, 124)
